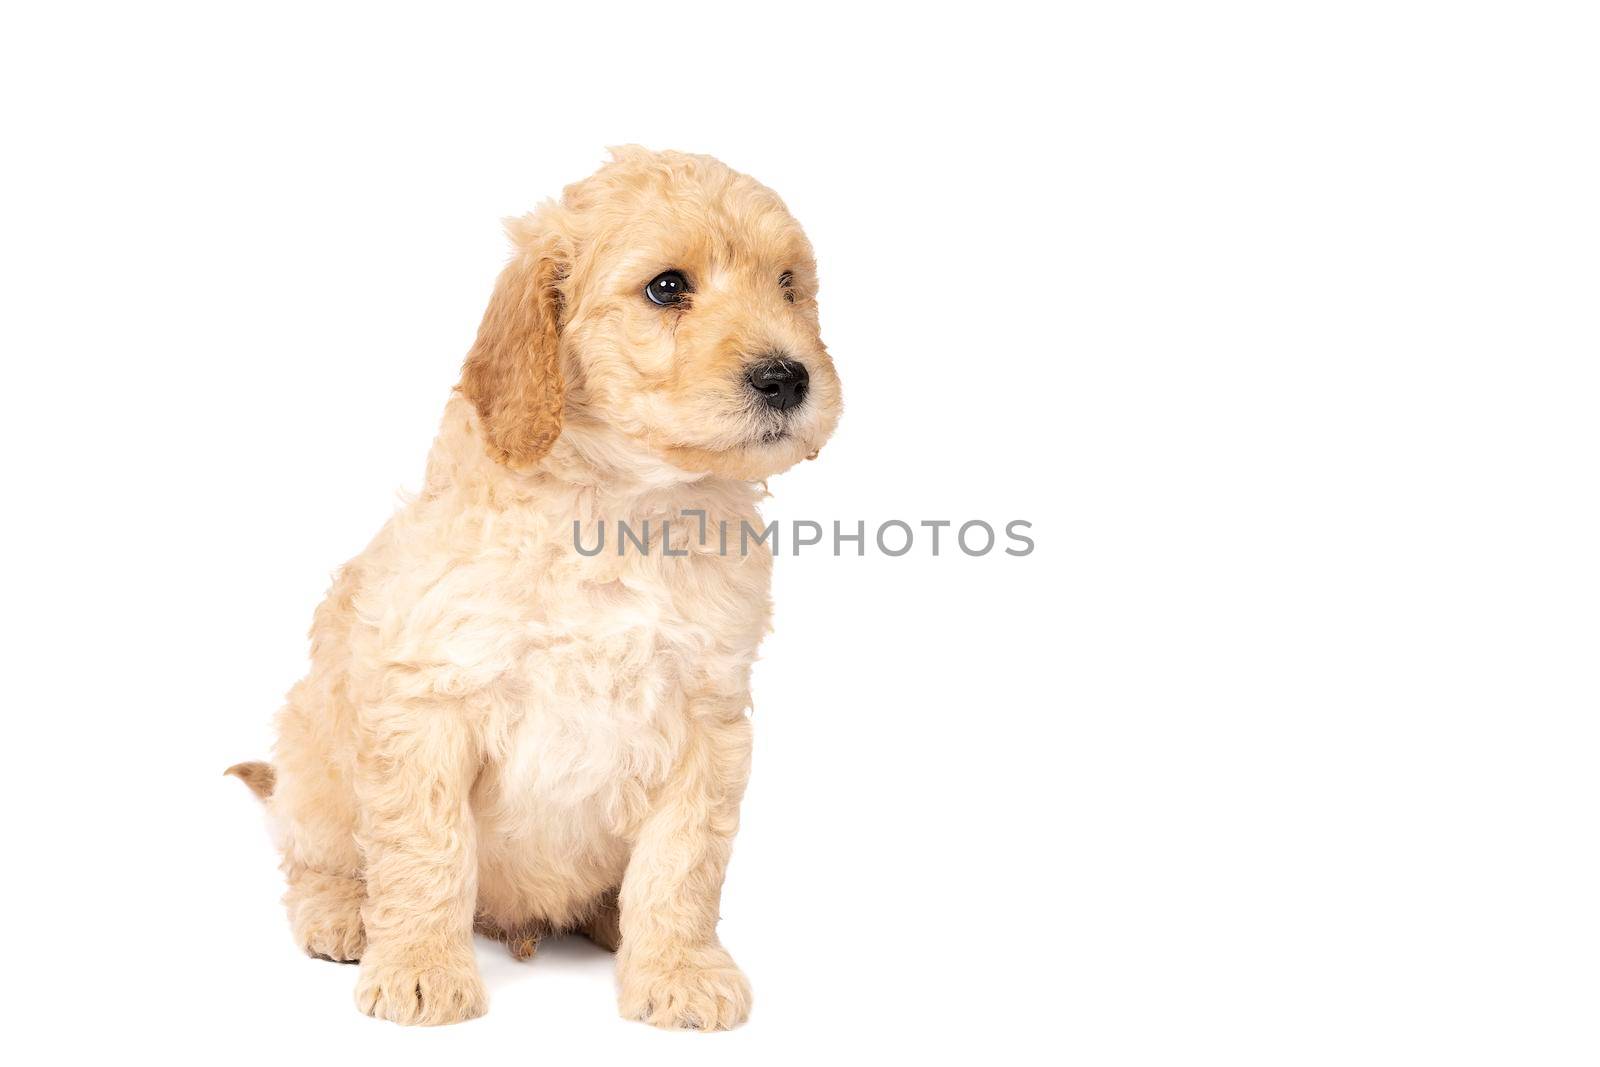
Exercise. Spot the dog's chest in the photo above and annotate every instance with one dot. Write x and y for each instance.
(622, 645)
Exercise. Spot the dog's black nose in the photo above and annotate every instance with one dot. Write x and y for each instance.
(782, 383)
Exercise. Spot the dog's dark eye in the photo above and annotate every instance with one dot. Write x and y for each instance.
(786, 283)
(668, 288)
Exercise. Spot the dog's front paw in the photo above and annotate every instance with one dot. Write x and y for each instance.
(420, 989)
(705, 991)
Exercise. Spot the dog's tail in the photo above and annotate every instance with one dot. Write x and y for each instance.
(260, 777)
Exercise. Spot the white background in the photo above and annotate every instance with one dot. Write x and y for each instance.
(1277, 321)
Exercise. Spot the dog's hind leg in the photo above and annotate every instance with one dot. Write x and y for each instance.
(324, 908)
(325, 914)
(313, 807)
(324, 869)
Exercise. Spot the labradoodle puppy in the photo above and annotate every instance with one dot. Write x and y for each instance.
(503, 729)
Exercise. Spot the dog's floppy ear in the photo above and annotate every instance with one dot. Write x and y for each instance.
(513, 373)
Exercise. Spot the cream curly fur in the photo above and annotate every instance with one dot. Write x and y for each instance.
(498, 731)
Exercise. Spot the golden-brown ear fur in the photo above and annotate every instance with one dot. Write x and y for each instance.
(513, 373)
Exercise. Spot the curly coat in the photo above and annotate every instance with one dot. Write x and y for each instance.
(501, 732)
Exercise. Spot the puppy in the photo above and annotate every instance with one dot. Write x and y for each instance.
(502, 732)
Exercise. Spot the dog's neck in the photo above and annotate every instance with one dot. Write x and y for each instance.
(589, 459)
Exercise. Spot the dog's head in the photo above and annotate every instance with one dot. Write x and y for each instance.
(667, 299)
